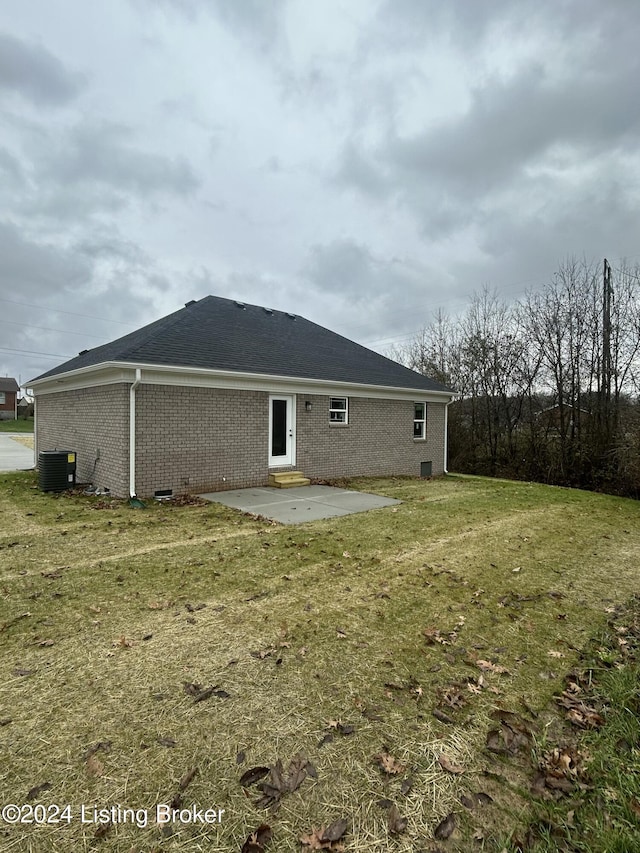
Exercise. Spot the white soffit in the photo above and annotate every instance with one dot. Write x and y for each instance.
(153, 374)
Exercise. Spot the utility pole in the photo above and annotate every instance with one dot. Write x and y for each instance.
(606, 349)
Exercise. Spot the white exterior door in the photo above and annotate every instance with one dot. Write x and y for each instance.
(282, 443)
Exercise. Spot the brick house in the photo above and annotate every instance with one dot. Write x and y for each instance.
(220, 395)
(9, 389)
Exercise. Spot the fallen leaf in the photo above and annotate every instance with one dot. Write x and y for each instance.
(335, 830)
(487, 666)
(326, 838)
(397, 824)
(389, 764)
(280, 782)
(444, 829)
(407, 785)
(433, 635)
(450, 766)
(94, 766)
(100, 746)
(209, 692)
(453, 696)
(253, 775)
(103, 830)
(37, 790)
(444, 718)
(166, 741)
(483, 799)
(186, 780)
(258, 840)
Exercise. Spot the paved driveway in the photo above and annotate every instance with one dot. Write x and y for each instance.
(13, 455)
(303, 503)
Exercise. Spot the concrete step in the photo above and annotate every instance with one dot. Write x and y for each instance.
(288, 479)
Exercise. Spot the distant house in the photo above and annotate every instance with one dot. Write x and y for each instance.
(9, 389)
(566, 417)
(221, 395)
(25, 407)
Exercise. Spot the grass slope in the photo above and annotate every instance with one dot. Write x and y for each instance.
(335, 640)
(19, 425)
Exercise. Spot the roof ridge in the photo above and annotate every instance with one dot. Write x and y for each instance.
(161, 325)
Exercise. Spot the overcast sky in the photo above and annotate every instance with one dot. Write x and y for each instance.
(360, 163)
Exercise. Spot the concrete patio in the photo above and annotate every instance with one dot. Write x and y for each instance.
(297, 505)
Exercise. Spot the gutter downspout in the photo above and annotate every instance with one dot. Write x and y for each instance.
(35, 432)
(132, 433)
(446, 434)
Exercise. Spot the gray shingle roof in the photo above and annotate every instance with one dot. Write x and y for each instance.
(8, 384)
(221, 334)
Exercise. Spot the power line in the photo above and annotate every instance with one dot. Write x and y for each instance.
(49, 329)
(33, 352)
(70, 313)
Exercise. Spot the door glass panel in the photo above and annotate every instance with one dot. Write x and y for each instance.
(278, 427)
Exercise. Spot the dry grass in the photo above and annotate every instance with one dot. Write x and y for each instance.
(25, 440)
(308, 629)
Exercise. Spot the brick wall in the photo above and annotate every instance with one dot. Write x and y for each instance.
(92, 422)
(8, 408)
(200, 439)
(378, 440)
(203, 439)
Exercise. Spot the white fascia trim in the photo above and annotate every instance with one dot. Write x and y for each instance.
(86, 377)
(109, 373)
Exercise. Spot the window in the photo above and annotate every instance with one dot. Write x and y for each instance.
(338, 410)
(420, 420)
(3, 399)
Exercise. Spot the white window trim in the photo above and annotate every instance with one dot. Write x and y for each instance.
(341, 411)
(422, 421)
(3, 397)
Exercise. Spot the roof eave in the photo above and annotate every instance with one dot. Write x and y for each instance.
(119, 371)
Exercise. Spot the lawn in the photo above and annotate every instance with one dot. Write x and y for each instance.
(19, 425)
(165, 655)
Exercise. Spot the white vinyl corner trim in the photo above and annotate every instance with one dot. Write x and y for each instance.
(132, 433)
(446, 434)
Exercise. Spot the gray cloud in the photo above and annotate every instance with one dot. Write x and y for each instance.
(35, 269)
(33, 72)
(537, 120)
(359, 169)
(11, 172)
(362, 164)
(52, 298)
(259, 22)
(103, 153)
(511, 125)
